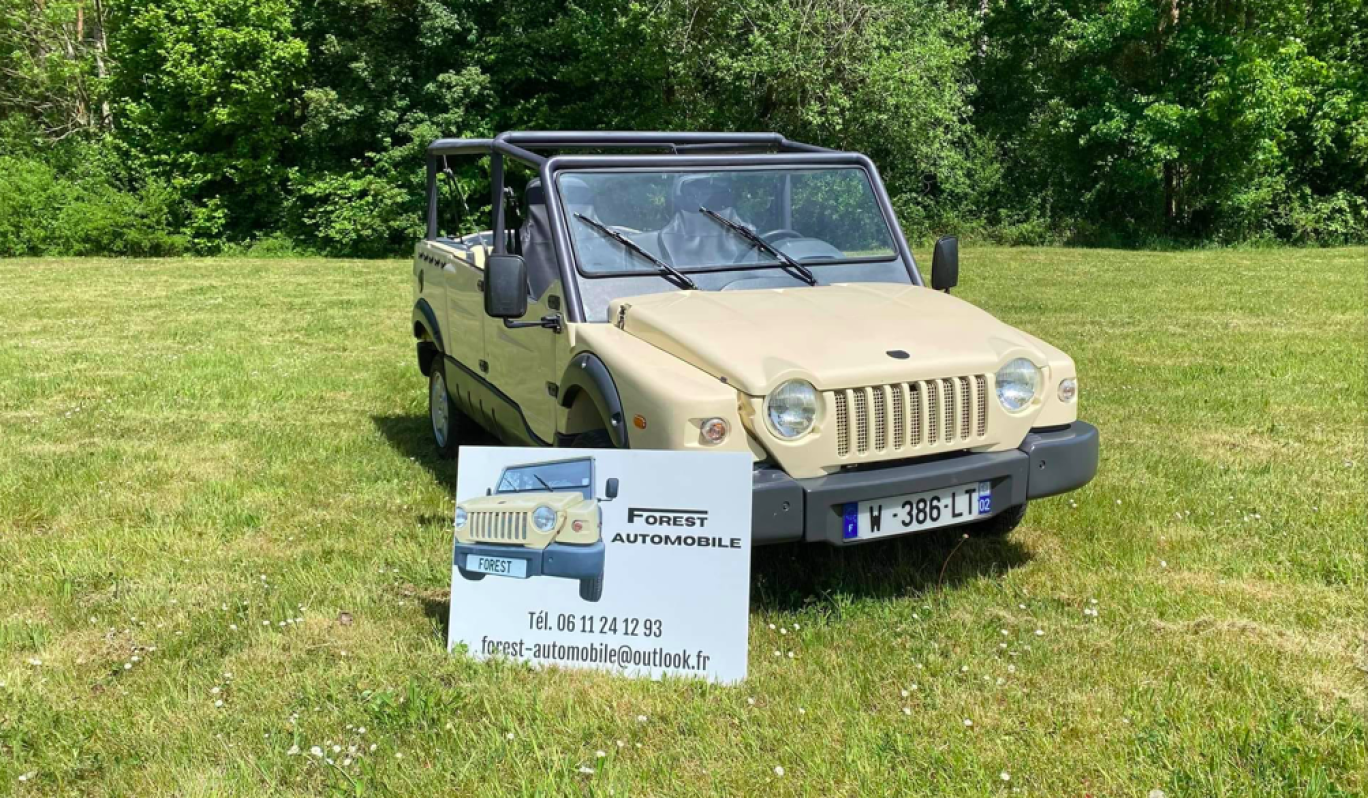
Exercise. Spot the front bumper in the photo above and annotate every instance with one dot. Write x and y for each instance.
(1048, 462)
(566, 560)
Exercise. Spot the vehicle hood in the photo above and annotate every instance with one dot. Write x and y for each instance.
(836, 336)
(523, 502)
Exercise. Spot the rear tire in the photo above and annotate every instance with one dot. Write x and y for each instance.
(443, 417)
(591, 589)
(593, 439)
(1000, 525)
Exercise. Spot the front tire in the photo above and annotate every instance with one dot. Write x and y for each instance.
(443, 416)
(591, 589)
(593, 439)
(1000, 525)
(472, 576)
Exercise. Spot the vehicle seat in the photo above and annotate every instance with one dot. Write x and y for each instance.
(692, 239)
(535, 234)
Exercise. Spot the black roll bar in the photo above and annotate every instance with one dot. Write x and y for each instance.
(686, 150)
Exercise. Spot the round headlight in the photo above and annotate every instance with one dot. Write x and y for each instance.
(1068, 390)
(791, 410)
(544, 518)
(460, 518)
(1017, 383)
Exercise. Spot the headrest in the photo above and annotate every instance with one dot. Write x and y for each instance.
(574, 191)
(692, 191)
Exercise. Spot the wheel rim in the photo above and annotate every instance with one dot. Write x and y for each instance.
(437, 402)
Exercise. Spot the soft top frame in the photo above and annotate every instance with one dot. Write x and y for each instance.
(661, 150)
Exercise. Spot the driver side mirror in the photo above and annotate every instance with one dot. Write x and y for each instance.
(505, 287)
(945, 264)
(610, 490)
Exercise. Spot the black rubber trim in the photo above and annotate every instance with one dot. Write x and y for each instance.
(776, 507)
(588, 373)
(422, 308)
(1061, 459)
(498, 394)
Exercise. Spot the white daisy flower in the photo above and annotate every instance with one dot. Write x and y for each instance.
(779, 770)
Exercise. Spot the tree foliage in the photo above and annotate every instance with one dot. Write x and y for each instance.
(213, 123)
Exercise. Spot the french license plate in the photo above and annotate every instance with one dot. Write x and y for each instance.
(914, 512)
(499, 566)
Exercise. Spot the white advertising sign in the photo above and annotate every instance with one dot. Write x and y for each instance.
(636, 562)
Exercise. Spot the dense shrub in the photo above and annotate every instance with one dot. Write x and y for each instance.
(45, 211)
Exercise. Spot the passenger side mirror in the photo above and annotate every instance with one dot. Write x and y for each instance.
(945, 264)
(505, 287)
(610, 490)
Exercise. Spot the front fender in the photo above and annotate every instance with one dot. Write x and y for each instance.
(587, 374)
(672, 397)
(425, 318)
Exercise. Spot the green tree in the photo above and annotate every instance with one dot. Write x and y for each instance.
(1136, 118)
(209, 99)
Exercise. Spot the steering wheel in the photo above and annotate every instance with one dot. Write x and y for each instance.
(774, 236)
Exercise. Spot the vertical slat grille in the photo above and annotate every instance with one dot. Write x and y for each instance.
(948, 403)
(879, 395)
(982, 383)
(883, 419)
(861, 420)
(842, 423)
(932, 412)
(964, 407)
(498, 526)
(914, 406)
(899, 402)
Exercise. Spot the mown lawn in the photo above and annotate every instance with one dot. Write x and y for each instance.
(205, 463)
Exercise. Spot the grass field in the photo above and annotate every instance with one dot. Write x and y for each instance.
(205, 464)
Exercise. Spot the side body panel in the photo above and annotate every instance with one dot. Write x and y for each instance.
(522, 365)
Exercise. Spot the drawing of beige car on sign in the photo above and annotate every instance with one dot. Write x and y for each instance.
(540, 519)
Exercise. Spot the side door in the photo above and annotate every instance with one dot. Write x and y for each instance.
(521, 366)
(522, 361)
(462, 272)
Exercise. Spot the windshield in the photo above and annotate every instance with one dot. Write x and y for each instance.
(576, 475)
(710, 220)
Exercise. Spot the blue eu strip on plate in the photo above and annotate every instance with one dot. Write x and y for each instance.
(851, 521)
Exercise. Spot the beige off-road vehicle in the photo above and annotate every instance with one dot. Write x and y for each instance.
(540, 519)
(737, 292)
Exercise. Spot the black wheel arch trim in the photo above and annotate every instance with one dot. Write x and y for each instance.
(422, 311)
(588, 373)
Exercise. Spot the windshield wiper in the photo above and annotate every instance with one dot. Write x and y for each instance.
(543, 482)
(666, 270)
(789, 264)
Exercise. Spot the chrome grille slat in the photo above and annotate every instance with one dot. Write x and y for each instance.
(877, 421)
